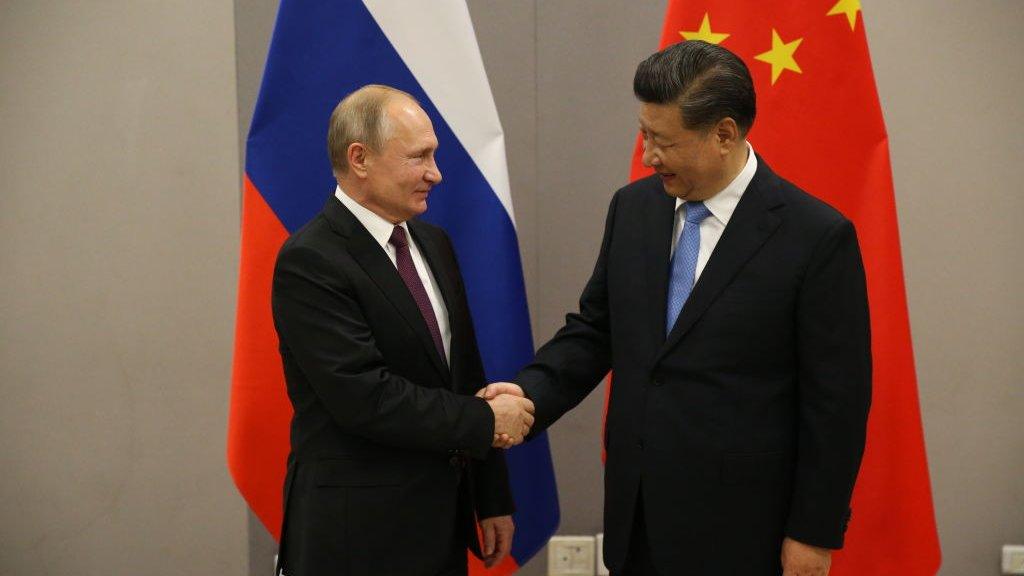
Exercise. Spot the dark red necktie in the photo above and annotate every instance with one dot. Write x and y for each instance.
(407, 270)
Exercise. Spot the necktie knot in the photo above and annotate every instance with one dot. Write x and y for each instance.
(398, 237)
(696, 212)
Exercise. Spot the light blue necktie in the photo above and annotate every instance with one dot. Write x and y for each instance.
(684, 262)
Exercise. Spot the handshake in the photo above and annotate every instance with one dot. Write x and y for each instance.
(513, 413)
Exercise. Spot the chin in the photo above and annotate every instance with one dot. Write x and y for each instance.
(687, 194)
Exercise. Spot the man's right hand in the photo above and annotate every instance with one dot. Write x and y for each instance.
(799, 559)
(513, 417)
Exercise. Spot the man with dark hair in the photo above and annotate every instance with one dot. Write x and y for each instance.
(731, 307)
(393, 466)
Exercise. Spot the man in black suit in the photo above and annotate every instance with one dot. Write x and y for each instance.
(731, 307)
(391, 463)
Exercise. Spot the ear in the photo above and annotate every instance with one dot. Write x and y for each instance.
(728, 134)
(356, 154)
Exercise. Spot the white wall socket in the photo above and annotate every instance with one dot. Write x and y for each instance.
(571, 556)
(1013, 559)
(602, 570)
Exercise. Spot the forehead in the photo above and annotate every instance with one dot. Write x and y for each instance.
(409, 122)
(660, 118)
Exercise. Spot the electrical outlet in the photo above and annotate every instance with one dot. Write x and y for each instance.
(602, 570)
(1013, 559)
(571, 556)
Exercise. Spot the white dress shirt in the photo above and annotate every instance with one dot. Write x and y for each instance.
(721, 206)
(381, 231)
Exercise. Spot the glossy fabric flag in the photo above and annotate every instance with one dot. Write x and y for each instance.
(819, 125)
(321, 51)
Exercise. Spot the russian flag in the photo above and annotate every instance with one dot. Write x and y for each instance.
(321, 51)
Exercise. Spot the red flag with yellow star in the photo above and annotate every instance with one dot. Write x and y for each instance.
(819, 125)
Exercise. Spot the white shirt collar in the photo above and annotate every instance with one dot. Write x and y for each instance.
(723, 204)
(377, 226)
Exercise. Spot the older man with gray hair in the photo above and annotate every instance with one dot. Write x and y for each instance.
(394, 462)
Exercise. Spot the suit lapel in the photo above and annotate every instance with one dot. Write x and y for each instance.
(658, 221)
(751, 225)
(375, 262)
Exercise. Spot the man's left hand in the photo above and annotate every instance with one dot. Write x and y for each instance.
(496, 388)
(799, 559)
(497, 532)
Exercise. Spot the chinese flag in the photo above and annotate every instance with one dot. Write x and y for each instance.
(819, 125)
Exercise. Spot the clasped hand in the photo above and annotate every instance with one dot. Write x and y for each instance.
(513, 413)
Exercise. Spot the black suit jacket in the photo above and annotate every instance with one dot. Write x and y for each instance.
(376, 481)
(744, 424)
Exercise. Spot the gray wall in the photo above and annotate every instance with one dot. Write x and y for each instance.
(120, 125)
(951, 97)
(119, 227)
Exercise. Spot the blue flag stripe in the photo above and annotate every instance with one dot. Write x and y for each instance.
(320, 52)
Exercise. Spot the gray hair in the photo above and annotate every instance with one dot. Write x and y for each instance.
(360, 117)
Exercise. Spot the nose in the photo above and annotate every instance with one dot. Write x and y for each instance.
(648, 158)
(433, 174)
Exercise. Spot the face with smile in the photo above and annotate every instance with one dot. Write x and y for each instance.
(694, 165)
(398, 178)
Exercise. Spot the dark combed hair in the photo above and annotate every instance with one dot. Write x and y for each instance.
(706, 81)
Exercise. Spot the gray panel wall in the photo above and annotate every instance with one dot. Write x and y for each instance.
(119, 226)
(950, 78)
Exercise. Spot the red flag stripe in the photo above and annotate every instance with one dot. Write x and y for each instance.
(257, 451)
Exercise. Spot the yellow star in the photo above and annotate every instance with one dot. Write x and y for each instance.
(781, 56)
(704, 33)
(848, 7)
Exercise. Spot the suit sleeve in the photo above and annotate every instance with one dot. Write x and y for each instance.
(573, 362)
(492, 495)
(834, 388)
(323, 327)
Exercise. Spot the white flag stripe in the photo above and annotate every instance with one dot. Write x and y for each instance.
(437, 42)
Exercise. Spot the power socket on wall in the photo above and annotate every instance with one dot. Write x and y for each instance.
(1013, 559)
(571, 556)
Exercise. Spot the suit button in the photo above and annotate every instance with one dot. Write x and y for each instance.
(656, 382)
(457, 459)
(640, 444)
